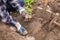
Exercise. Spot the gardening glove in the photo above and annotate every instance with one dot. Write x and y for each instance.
(25, 15)
(21, 29)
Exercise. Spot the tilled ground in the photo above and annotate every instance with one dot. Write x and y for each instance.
(38, 27)
(7, 34)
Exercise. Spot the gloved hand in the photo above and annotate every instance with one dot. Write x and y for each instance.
(25, 15)
(21, 29)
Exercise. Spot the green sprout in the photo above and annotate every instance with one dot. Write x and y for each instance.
(28, 4)
(29, 10)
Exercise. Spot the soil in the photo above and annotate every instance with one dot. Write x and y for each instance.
(41, 26)
(7, 34)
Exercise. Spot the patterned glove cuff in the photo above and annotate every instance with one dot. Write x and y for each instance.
(18, 25)
(21, 10)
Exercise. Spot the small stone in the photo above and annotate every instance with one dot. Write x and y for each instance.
(57, 13)
(29, 38)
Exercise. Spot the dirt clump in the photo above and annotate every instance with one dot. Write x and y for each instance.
(53, 35)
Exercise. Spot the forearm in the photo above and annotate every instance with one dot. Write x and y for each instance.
(15, 4)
